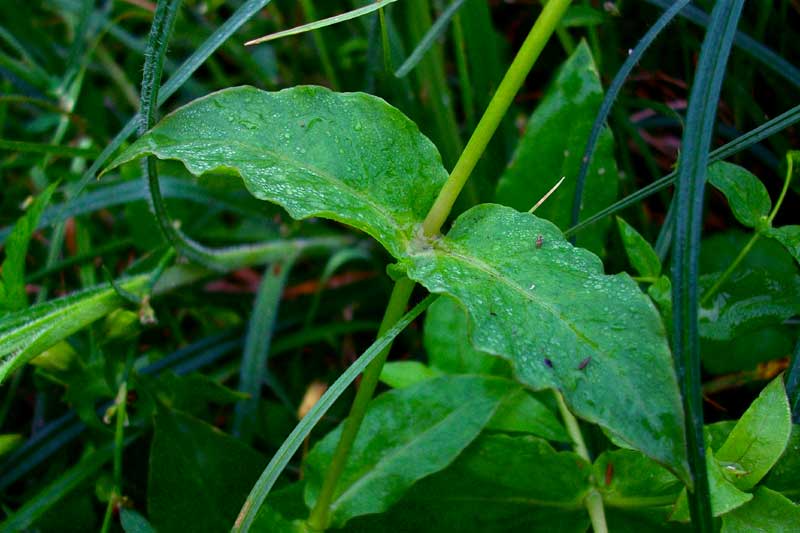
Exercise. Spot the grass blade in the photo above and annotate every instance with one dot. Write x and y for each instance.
(295, 439)
(330, 21)
(253, 369)
(611, 95)
(754, 136)
(747, 44)
(44, 148)
(695, 145)
(430, 37)
(793, 385)
(176, 81)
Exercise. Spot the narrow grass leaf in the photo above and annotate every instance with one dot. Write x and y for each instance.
(293, 442)
(12, 271)
(435, 31)
(754, 136)
(336, 19)
(253, 369)
(611, 95)
(793, 385)
(695, 145)
(43, 148)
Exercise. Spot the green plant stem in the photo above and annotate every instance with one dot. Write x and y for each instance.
(593, 501)
(467, 98)
(119, 445)
(728, 271)
(514, 78)
(747, 247)
(320, 514)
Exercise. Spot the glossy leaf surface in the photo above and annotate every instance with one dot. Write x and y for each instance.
(789, 237)
(562, 322)
(350, 157)
(407, 434)
(759, 438)
(768, 512)
(552, 147)
(746, 195)
(640, 254)
(498, 484)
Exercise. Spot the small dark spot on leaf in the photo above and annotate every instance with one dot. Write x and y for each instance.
(584, 363)
(548, 363)
(492, 313)
(276, 269)
(539, 241)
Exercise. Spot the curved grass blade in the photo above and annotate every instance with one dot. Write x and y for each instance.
(369, 8)
(611, 95)
(747, 44)
(253, 369)
(44, 148)
(295, 439)
(176, 81)
(695, 145)
(430, 37)
(125, 192)
(743, 142)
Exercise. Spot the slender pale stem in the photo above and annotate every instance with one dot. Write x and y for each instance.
(593, 501)
(319, 518)
(515, 76)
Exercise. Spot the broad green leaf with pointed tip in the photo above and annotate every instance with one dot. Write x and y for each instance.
(400, 374)
(499, 484)
(520, 412)
(768, 512)
(562, 322)
(747, 196)
(407, 434)
(759, 438)
(552, 147)
(725, 497)
(350, 157)
(789, 237)
(641, 255)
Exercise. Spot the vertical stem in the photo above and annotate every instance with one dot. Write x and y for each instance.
(121, 403)
(515, 76)
(319, 43)
(320, 514)
(593, 501)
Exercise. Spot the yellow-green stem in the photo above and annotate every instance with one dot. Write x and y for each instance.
(593, 501)
(515, 76)
(319, 518)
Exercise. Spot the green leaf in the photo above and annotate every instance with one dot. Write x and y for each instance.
(552, 147)
(785, 475)
(199, 476)
(768, 512)
(401, 374)
(407, 434)
(641, 255)
(628, 479)
(760, 437)
(564, 324)
(724, 495)
(133, 522)
(749, 301)
(12, 271)
(746, 195)
(447, 342)
(788, 236)
(350, 157)
(9, 442)
(522, 413)
(499, 484)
